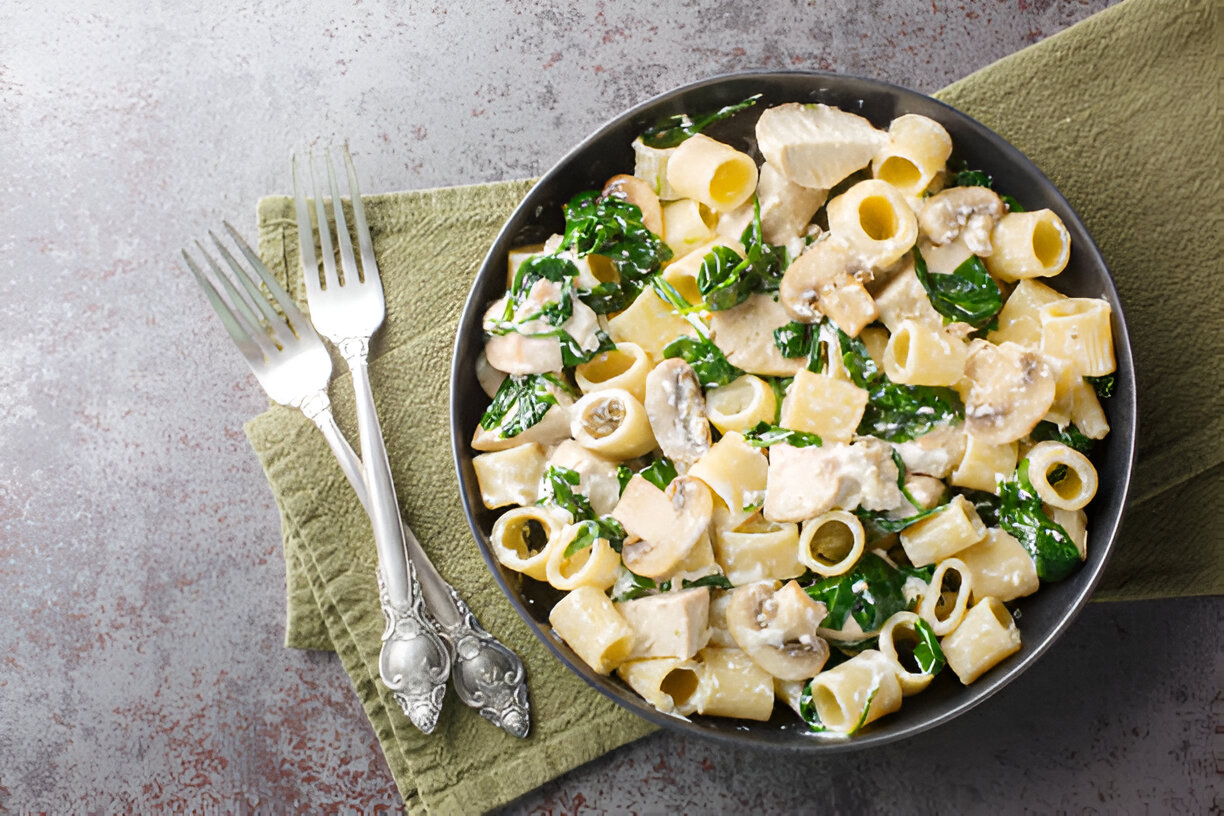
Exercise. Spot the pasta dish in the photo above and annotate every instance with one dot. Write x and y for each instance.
(792, 428)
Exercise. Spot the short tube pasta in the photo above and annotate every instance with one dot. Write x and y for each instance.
(590, 625)
(1029, 245)
(711, 172)
(917, 151)
(943, 615)
(916, 355)
(759, 551)
(731, 684)
(943, 533)
(625, 366)
(857, 692)
(521, 537)
(901, 627)
(1077, 330)
(687, 224)
(874, 219)
(741, 404)
(986, 636)
(831, 543)
(1079, 481)
(612, 422)
(596, 565)
(668, 684)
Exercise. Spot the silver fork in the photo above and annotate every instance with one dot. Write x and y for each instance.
(282, 349)
(487, 676)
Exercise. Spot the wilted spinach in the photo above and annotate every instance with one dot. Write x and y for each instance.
(706, 359)
(672, 130)
(1021, 514)
(871, 592)
(762, 435)
(966, 295)
(896, 412)
(524, 399)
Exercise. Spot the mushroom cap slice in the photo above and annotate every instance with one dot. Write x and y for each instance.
(778, 629)
(675, 406)
(663, 526)
(971, 211)
(1012, 390)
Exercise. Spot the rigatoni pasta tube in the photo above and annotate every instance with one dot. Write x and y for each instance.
(831, 543)
(687, 224)
(901, 629)
(668, 684)
(985, 465)
(943, 533)
(918, 149)
(1028, 245)
(736, 472)
(731, 684)
(1077, 330)
(944, 609)
(857, 692)
(521, 537)
(590, 625)
(874, 219)
(625, 366)
(820, 404)
(917, 355)
(1000, 566)
(741, 404)
(758, 551)
(711, 172)
(596, 565)
(986, 636)
(612, 422)
(1079, 481)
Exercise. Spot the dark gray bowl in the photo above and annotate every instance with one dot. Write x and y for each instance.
(1043, 616)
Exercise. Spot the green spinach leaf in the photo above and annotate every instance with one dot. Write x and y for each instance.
(520, 402)
(896, 412)
(706, 359)
(1104, 386)
(967, 295)
(1021, 514)
(871, 592)
(762, 435)
(672, 130)
(1070, 436)
(927, 652)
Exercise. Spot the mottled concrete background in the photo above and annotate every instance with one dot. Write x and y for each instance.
(141, 666)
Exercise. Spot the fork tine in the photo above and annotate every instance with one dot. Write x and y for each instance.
(269, 317)
(305, 232)
(243, 335)
(352, 274)
(330, 279)
(369, 265)
(297, 321)
(255, 327)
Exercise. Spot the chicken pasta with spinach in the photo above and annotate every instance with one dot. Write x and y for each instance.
(792, 429)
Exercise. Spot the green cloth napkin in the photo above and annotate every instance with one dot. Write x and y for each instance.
(1121, 111)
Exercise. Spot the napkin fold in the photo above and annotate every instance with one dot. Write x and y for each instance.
(1121, 111)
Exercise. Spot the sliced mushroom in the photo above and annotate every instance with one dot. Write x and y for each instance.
(778, 629)
(1011, 390)
(637, 192)
(970, 212)
(827, 279)
(664, 526)
(675, 406)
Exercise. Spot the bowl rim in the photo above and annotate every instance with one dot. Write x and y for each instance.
(784, 739)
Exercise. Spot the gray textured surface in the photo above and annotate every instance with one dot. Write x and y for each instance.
(140, 574)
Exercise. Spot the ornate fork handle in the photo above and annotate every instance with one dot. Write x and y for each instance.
(414, 662)
(486, 675)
